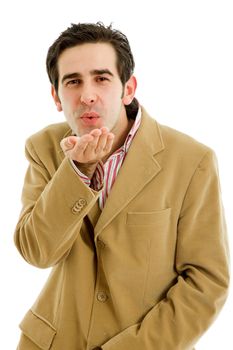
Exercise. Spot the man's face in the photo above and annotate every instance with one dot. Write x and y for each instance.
(90, 91)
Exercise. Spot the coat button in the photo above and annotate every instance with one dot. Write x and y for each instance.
(82, 202)
(78, 206)
(102, 297)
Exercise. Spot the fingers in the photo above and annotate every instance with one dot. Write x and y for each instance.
(109, 143)
(100, 145)
(90, 147)
(96, 134)
(69, 143)
(102, 140)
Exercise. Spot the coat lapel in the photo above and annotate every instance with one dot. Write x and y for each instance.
(138, 169)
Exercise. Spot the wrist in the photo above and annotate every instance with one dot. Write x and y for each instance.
(86, 169)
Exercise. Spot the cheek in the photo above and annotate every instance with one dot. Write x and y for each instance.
(68, 96)
(66, 100)
(114, 98)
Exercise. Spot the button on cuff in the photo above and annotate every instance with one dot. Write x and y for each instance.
(79, 205)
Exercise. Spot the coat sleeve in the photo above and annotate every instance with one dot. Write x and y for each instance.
(191, 305)
(53, 210)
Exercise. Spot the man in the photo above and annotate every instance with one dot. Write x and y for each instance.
(126, 211)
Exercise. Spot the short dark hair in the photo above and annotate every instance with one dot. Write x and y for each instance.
(82, 33)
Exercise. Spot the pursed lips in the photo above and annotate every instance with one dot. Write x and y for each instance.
(90, 115)
(90, 118)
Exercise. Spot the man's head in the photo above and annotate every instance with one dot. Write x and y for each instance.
(84, 33)
(90, 67)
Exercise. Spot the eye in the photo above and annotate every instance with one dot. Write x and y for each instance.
(73, 82)
(101, 79)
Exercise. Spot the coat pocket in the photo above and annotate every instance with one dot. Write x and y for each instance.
(157, 218)
(38, 330)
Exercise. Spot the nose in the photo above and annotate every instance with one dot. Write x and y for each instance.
(88, 97)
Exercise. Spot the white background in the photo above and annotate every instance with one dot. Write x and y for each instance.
(184, 58)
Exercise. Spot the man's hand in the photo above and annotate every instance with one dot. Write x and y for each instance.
(86, 151)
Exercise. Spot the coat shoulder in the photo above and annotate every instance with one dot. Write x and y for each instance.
(44, 148)
(174, 141)
(49, 137)
(179, 148)
(183, 149)
(173, 137)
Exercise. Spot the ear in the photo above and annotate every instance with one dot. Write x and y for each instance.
(129, 90)
(56, 98)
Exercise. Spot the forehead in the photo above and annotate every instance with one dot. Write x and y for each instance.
(87, 57)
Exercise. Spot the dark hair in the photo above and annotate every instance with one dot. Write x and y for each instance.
(82, 33)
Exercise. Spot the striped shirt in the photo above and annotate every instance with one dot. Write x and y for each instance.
(105, 174)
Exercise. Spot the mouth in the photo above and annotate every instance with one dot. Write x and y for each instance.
(90, 118)
(90, 115)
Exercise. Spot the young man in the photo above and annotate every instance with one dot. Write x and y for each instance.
(126, 211)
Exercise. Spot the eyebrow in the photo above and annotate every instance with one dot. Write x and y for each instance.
(93, 72)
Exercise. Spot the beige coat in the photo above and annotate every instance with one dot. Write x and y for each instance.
(150, 271)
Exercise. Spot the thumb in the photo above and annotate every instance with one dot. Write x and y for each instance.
(68, 143)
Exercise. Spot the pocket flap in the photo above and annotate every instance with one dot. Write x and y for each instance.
(158, 217)
(39, 330)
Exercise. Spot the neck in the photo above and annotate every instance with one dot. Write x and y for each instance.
(120, 137)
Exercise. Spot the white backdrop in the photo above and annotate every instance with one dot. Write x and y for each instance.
(184, 65)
